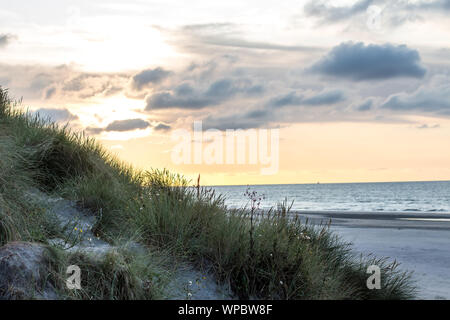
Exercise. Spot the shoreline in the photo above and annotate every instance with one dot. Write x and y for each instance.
(418, 244)
(318, 183)
(390, 220)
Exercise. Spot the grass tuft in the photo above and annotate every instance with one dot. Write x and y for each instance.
(116, 275)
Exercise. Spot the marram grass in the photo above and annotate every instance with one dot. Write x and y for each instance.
(275, 256)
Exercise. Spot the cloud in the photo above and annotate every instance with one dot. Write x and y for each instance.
(120, 126)
(356, 61)
(149, 76)
(325, 98)
(246, 120)
(334, 14)
(127, 125)
(293, 99)
(94, 130)
(290, 99)
(166, 100)
(227, 35)
(58, 115)
(221, 89)
(426, 126)
(185, 96)
(5, 39)
(273, 113)
(89, 85)
(162, 127)
(240, 43)
(394, 12)
(437, 5)
(61, 82)
(434, 99)
(49, 92)
(365, 106)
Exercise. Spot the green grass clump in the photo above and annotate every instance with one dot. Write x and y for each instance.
(278, 257)
(20, 218)
(271, 256)
(117, 275)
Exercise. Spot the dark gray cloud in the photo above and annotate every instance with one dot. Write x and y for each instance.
(166, 100)
(162, 127)
(325, 98)
(5, 39)
(120, 126)
(365, 106)
(58, 115)
(426, 100)
(87, 85)
(49, 92)
(246, 120)
(149, 76)
(185, 96)
(94, 130)
(273, 113)
(127, 125)
(221, 89)
(356, 61)
(276, 118)
(184, 89)
(293, 99)
(290, 99)
(331, 13)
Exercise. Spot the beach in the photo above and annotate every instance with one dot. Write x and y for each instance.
(418, 241)
(405, 221)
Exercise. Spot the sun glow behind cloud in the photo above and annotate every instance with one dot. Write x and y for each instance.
(123, 47)
(248, 64)
(92, 42)
(108, 110)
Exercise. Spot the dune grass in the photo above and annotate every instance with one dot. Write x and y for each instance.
(269, 256)
(117, 275)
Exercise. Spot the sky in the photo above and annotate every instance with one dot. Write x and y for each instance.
(355, 91)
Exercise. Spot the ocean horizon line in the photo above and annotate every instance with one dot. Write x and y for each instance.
(321, 183)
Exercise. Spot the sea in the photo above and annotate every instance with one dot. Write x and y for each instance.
(429, 196)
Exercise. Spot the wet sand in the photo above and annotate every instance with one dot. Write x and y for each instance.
(419, 241)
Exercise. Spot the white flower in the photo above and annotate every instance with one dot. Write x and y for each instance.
(190, 283)
(304, 236)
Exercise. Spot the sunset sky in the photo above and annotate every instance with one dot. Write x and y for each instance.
(360, 90)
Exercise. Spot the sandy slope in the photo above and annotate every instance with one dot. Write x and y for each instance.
(188, 282)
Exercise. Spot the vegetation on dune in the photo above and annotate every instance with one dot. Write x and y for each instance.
(271, 256)
(118, 275)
